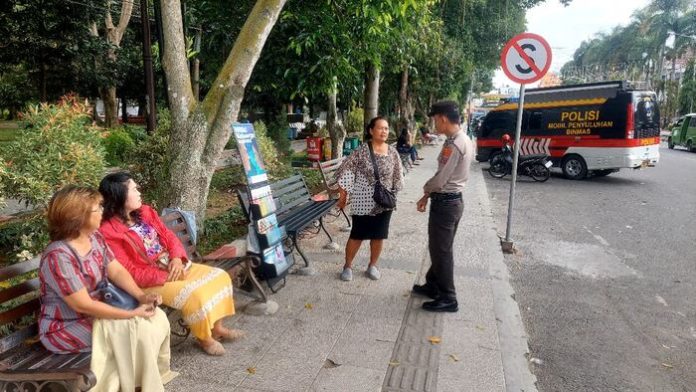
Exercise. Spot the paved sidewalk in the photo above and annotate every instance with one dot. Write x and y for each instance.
(365, 335)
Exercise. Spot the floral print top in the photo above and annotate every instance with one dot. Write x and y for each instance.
(357, 177)
(151, 241)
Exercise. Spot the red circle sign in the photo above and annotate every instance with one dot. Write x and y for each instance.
(526, 58)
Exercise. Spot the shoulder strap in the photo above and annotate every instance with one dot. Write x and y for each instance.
(374, 161)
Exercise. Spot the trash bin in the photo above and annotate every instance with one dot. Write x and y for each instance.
(327, 149)
(314, 148)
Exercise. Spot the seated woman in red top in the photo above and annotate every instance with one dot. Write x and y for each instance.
(155, 257)
(73, 319)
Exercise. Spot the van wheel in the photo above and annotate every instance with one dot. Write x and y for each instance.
(690, 146)
(670, 144)
(574, 167)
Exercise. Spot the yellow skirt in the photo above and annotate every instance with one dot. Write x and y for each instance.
(204, 297)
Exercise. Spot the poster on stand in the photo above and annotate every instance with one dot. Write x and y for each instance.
(249, 153)
(262, 201)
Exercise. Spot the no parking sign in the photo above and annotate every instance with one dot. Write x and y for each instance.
(525, 59)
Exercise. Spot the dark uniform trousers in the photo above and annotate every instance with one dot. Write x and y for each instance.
(442, 226)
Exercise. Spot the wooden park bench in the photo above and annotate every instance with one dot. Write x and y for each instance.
(25, 365)
(295, 209)
(328, 174)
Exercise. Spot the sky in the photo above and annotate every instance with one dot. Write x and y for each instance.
(566, 27)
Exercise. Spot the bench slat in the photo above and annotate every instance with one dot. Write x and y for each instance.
(20, 311)
(282, 183)
(23, 288)
(16, 338)
(297, 187)
(299, 218)
(19, 269)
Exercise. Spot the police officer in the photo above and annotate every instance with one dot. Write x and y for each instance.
(444, 189)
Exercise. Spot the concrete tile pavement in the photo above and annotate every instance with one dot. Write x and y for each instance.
(365, 335)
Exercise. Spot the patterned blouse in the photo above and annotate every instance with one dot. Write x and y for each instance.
(63, 272)
(357, 177)
(151, 241)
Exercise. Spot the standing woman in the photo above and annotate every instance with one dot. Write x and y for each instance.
(73, 319)
(356, 179)
(155, 257)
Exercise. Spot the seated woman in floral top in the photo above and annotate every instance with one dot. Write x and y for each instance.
(356, 180)
(158, 263)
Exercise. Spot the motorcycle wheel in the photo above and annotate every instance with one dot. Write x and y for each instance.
(539, 172)
(498, 169)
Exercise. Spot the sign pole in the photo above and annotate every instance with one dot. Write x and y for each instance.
(508, 244)
(525, 59)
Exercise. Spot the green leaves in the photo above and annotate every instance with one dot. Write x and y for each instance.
(60, 147)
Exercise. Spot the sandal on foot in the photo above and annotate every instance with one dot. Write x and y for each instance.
(215, 348)
(229, 334)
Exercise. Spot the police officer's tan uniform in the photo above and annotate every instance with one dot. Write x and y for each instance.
(445, 190)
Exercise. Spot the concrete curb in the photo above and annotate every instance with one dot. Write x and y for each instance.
(514, 349)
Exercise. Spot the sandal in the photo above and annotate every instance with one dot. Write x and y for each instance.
(214, 348)
(229, 334)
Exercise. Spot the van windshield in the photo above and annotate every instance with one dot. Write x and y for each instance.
(646, 115)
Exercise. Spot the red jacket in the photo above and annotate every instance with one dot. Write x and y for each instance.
(145, 272)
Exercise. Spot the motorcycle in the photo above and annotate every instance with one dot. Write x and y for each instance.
(535, 166)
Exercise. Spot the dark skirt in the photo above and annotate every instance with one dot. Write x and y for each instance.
(371, 227)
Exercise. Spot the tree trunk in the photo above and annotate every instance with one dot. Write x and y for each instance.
(108, 96)
(405, 104)
(196, 68)
(201, 130)
(124, 109)
(371, 92)
(336, 132)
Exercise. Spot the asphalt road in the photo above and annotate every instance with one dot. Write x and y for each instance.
(605, 276)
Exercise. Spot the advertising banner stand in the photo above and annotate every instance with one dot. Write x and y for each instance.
(265, 237)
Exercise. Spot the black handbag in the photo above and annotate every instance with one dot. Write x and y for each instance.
(384, 197)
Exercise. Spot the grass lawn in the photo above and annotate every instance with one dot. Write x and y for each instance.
(9, 131)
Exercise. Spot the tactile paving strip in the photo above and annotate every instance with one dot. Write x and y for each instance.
(415, 360)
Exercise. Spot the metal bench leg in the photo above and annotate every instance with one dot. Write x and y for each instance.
(350, 225)
(306, 270)
(331, 245)
(261, 306)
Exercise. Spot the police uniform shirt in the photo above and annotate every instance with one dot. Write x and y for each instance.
(453, 165)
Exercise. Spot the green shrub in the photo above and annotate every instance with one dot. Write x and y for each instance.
(23, 238)
(119, 145)
(313, 179)
(354, 122)
(222, 229)
(278, 132)
(60, 146)
(149, 160)
(275, 166)
(228, 178)
(136, 132)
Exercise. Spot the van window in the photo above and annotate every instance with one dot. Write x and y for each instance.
(535, 121)
(646, 115)
(692, 123)
(495, 124)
